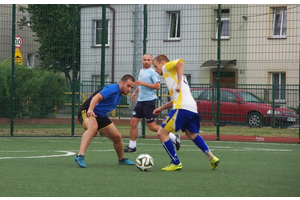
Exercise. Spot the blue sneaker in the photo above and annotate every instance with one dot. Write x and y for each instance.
(80, 161)
(125, 161)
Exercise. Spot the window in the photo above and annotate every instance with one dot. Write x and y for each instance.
(197, 93)
(174, 26)
(30, 60)
(98, 33)
(207, 95)
(188, 78)
(279, 23)
(224, 24)
(227, 96)
(28, 19)
(279, 81)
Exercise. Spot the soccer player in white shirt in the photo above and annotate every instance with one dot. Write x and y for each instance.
(184, 114)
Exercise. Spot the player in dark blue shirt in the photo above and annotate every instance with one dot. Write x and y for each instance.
(93, 116)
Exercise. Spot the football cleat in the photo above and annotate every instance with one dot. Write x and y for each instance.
(172, 167)
(214, 162)
(80, 161)
(125, 161)
(130, 150)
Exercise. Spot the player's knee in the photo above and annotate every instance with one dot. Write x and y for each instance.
(117, 138)
(93, 128)
(133, 123)
(159, 134)
(153, 128)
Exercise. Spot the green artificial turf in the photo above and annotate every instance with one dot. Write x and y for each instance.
(42, 167)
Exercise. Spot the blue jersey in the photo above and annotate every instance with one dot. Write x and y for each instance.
(111, 98)
(148, 76)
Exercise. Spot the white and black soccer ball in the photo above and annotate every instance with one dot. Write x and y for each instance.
(144, 162)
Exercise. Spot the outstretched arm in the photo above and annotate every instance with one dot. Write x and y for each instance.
(163, 107)
(149, 85)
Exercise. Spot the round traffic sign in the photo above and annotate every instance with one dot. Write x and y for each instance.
(18, 41)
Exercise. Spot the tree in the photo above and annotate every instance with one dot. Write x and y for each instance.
(38, 93)
(53, 25)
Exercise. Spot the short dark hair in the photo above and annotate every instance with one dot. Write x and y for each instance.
(161, 57)
(126, 77)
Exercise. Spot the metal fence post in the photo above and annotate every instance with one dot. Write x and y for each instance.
(144, 51)
(218, 71)
(138, 46)
(103, 43)
(12, 96)
(74, 69)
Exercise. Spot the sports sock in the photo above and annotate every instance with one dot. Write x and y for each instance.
(172, 137)
(169, 147)
(201, 144)
(132, 144)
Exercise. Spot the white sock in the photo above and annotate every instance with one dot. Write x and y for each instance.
(132, 144)
(172, 137)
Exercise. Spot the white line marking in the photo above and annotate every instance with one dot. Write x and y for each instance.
(67, 153)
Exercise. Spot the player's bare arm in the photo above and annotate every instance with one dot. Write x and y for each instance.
(98, 97)
(163, 107)
(133, 96)
(179, 70)
(149, 85)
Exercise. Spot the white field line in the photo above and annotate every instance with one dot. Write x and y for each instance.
(194, 148)
(66, 153)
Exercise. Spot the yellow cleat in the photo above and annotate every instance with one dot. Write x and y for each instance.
(214, 162)
(172, 167)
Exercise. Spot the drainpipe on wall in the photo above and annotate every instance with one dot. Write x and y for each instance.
(113, 44)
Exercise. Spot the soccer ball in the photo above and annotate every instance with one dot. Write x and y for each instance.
(144, 162)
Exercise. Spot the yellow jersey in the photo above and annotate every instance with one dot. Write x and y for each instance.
(183, 99)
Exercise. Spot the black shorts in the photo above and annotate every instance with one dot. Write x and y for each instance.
(101, 121)
(144, 109)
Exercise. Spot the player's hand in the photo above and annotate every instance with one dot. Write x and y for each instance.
(133, 99)
(90, 113)
(178, 88)
(157, 111)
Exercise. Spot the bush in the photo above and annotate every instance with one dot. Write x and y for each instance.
(38, 93)
(295, 109)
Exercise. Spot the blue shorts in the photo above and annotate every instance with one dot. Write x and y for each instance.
(144, 109)
(181, 119)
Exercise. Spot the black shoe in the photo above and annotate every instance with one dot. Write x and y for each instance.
(130, 150)
(177, 142)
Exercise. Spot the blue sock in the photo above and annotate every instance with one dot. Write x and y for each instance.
(201, 144)
(169, 147)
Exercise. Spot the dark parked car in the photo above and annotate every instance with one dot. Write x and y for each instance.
(238, 106)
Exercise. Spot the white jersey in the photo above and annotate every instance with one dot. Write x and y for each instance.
(183, 99)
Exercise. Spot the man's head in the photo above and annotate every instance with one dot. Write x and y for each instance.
(147, 60)
(126, 84)
(159, 62)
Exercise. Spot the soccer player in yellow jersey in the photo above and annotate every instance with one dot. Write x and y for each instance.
(184, 114)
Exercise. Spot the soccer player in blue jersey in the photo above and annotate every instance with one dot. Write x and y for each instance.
(93, 116)
(148, 83)
(184, 114)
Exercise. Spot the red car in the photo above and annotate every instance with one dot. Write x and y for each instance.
(241, 107)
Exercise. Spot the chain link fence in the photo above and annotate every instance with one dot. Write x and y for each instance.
(241, 61)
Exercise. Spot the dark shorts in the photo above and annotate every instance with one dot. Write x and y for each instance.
(144, 109)
(101, 121)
